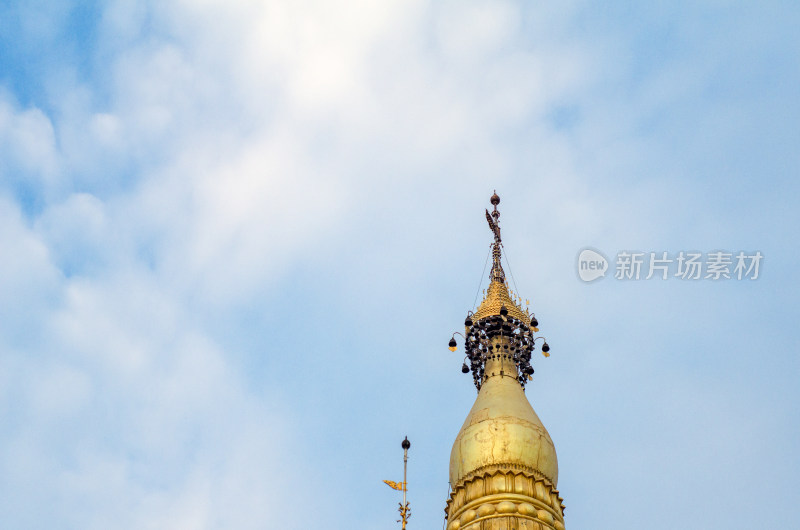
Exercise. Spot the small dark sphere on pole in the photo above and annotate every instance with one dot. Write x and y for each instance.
(406, 444)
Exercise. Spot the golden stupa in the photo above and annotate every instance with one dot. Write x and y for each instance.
(503, 465)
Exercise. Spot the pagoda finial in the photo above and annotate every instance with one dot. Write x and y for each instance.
(496, 274)
(499, 317)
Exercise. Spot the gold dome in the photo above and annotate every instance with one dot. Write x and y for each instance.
(502, 431)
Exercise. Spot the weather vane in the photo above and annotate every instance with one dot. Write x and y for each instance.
(405, 511)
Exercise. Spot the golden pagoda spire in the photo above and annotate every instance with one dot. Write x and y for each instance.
(503, 465)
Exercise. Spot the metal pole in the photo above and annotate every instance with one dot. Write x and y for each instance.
(405, 483)
(404, 511)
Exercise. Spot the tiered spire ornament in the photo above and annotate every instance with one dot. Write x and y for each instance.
(404, 509)
(499, 316)
(503, 466)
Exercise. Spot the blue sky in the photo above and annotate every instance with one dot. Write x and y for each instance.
(238, 236)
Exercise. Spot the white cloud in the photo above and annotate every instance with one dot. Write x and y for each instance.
(124, 410)
(27, 146)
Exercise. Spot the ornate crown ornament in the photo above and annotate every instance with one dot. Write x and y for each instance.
(499, 328)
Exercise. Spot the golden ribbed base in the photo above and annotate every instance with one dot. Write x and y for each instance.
(499, 499)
